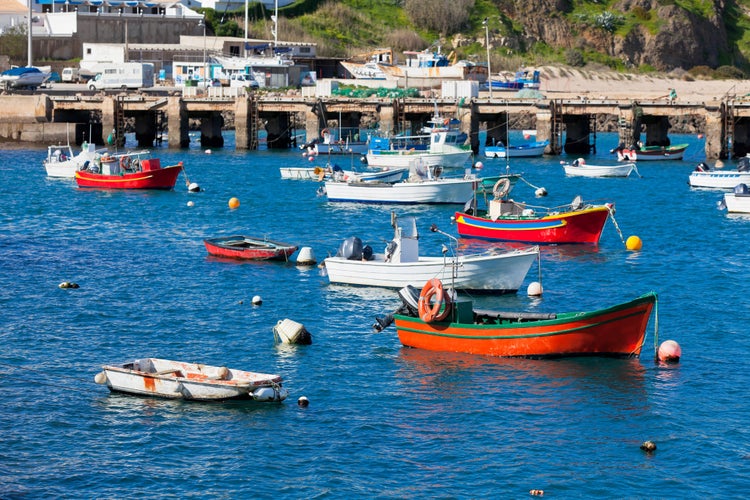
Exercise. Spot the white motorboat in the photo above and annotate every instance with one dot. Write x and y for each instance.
(400, 264)
(424, 185)
(717, 178)
(335, 173)
(62, 162)
(180, 380)
(738, 201)
(579, 168)
(446, 148)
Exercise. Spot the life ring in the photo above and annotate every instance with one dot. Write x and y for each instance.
(324, 132)
(124, 162)
(501, 188)
(428, 313)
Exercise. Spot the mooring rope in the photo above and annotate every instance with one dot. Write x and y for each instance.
(611, 211)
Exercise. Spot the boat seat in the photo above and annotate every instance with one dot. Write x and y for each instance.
(482, 314)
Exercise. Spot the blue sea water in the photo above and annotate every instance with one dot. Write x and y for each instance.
(383, 421)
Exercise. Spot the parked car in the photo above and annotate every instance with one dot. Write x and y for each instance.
(243, 80)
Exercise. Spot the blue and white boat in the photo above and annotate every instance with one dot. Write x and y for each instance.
(526, 150)
(23, 77)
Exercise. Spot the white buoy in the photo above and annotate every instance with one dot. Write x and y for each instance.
(191, 204)
(534, 289)
(193, 187)
(306, 257)
(540, 192)
(303, 402)
(208, 151)
(479, 165)
(100, 378)
(257, 300)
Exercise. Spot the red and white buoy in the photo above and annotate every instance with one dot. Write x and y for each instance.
(669, 352)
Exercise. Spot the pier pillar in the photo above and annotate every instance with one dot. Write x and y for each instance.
(211, 131)
(474, 129)
(625, 124)
(109, 116)
(242, 124)
(386, 119)
(177, 117)
(714, 134)
(312, 126)
(544, 128)
(145, 129)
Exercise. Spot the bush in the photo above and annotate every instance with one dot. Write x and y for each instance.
(729, 73)
(574, 58)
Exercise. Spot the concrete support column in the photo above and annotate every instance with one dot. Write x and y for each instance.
(312, 126)
(242, 126)
(109, 113)
(211, 131)
(386, 119)
(625, 127)
(714, 135)
(544, 128)
(177, 118)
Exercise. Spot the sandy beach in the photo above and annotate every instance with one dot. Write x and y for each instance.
(568, 83)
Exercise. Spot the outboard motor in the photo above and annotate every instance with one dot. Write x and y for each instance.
(351, 249)
(744, 164)
(367, 252)
(741, 189)
(409, 306)
(702, 167)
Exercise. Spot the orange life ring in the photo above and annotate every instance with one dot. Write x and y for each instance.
(124, 162)
(501, 188)
(429, 313)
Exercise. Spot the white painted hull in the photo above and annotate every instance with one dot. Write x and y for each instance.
(599, 170)
(309, 174)
(718, 179)
(737, 203)
(499, 273)
(67, 168)
(440, 191)
(179, 380)
(448, 159)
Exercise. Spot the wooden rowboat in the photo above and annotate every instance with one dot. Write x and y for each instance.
(179, 380)
(248, 248)
(616, 331)
(579, 168)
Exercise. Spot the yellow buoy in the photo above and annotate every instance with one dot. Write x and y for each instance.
(234, 203)
(633, 243)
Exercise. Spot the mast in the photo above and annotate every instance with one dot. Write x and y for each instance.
(275, 19)
(245, 46)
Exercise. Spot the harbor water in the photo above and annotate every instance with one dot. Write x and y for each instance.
(383, 421)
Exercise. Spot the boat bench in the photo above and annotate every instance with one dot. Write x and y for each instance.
(519, 316)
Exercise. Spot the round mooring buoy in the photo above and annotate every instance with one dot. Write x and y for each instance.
(257, 300)
(648, 446)
(633, 243)
(234, 203)
(479, 165)
(100, 378)
(303, 402)
(669, 352)
(534, 289)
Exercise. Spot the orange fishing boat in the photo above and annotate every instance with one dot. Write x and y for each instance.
(616, 331)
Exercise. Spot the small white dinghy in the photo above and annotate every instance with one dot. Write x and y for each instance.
(579, 168)
(193, 381)
(738, 201)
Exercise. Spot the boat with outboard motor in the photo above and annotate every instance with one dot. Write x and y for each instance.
(738, 201)
(496, 271)
(719, 178)
(61, 161)
(433, 320)
(638, 152)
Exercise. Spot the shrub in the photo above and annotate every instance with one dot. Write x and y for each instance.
(574, 58)
(729, 73)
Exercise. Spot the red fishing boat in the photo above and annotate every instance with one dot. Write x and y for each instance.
(508, 220)
(248, 248)
(616, 331)
(136, 170)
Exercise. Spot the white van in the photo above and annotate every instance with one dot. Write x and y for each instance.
(69, 75)
(243, 80)
(124, 76)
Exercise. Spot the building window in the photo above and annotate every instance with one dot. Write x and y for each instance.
(304, 50)
(234, 50)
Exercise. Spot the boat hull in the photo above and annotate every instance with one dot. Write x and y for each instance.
(652, 153)
(191, 381)
(521, 151)
(246, 248)
(405, 158)
(737, 203)
(162, 178)
(616, 331)
(486, 273)
(599, 170)
(578, 226)
(718, 179)
(441, 191)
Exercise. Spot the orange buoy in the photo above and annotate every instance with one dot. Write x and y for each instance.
(234, 203)
(634, 243)
(669, 352)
